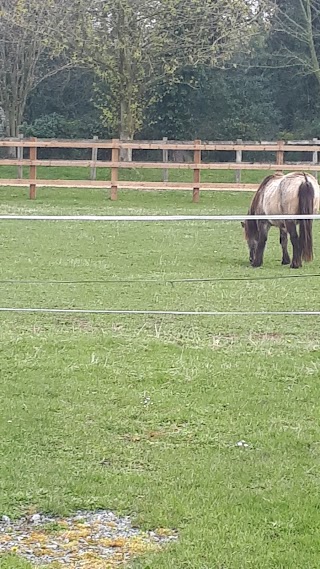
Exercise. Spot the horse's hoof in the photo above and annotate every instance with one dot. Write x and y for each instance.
(285, 262)
(295, 266)
(256, 265)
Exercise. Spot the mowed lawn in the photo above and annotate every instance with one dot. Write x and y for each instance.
(142, 414)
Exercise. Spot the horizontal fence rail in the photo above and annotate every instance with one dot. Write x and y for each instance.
(157, 165)
(290, 146)
(194, 163)
(179, 186)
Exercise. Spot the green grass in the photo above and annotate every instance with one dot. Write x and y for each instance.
(137, 174)
(78, 429)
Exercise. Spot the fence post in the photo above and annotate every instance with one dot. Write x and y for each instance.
(196, 172)
(94, 158)
(238, 161)
(33, 170)
(20, 157)
(165, 158)
(114, 168)
(315, 157)
(280, 156)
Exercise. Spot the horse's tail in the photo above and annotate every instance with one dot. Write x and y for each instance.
(306, 201)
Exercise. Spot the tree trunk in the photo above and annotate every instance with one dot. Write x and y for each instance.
(12, 131)
(125, 130)
(311, 41)
(2, 122)
(12, 124)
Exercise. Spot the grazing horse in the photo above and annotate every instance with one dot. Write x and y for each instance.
(290, 194)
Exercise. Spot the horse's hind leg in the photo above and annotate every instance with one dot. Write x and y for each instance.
(284, 245)
(263, 235)
(296, 259)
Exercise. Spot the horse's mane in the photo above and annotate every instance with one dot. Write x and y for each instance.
(251, 226)
(296, 174)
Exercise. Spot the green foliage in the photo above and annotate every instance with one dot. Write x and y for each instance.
(148, 43)
(48, 126)
(291, 57)
(37, 41)
(171, 109)
(246, 107)
(214, 105)
(152, 69)
(63, 104)
(58, 126)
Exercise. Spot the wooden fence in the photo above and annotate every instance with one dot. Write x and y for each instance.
(197, 165)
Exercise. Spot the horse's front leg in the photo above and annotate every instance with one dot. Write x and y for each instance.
(263, 229)
(284, 245)
(296, 258)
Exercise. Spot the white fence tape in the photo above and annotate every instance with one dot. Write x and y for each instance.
(153, 218)
(164, 312)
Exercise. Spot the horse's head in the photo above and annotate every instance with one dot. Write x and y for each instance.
(251, 226)
(251, 235)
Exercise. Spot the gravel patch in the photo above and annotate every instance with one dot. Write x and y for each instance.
(99, 540)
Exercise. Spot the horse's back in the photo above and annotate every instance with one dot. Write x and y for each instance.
(270, 200)
(289, 192)
(281, 195)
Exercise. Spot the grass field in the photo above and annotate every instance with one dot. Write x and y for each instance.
(142, 415)
(134, 174)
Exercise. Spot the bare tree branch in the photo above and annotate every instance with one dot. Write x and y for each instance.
(296, 25)
(34, 45)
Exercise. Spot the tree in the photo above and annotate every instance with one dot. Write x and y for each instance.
(223, 105)
(35, 40)
(295, 35)
(135, 45)
(62, 106)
